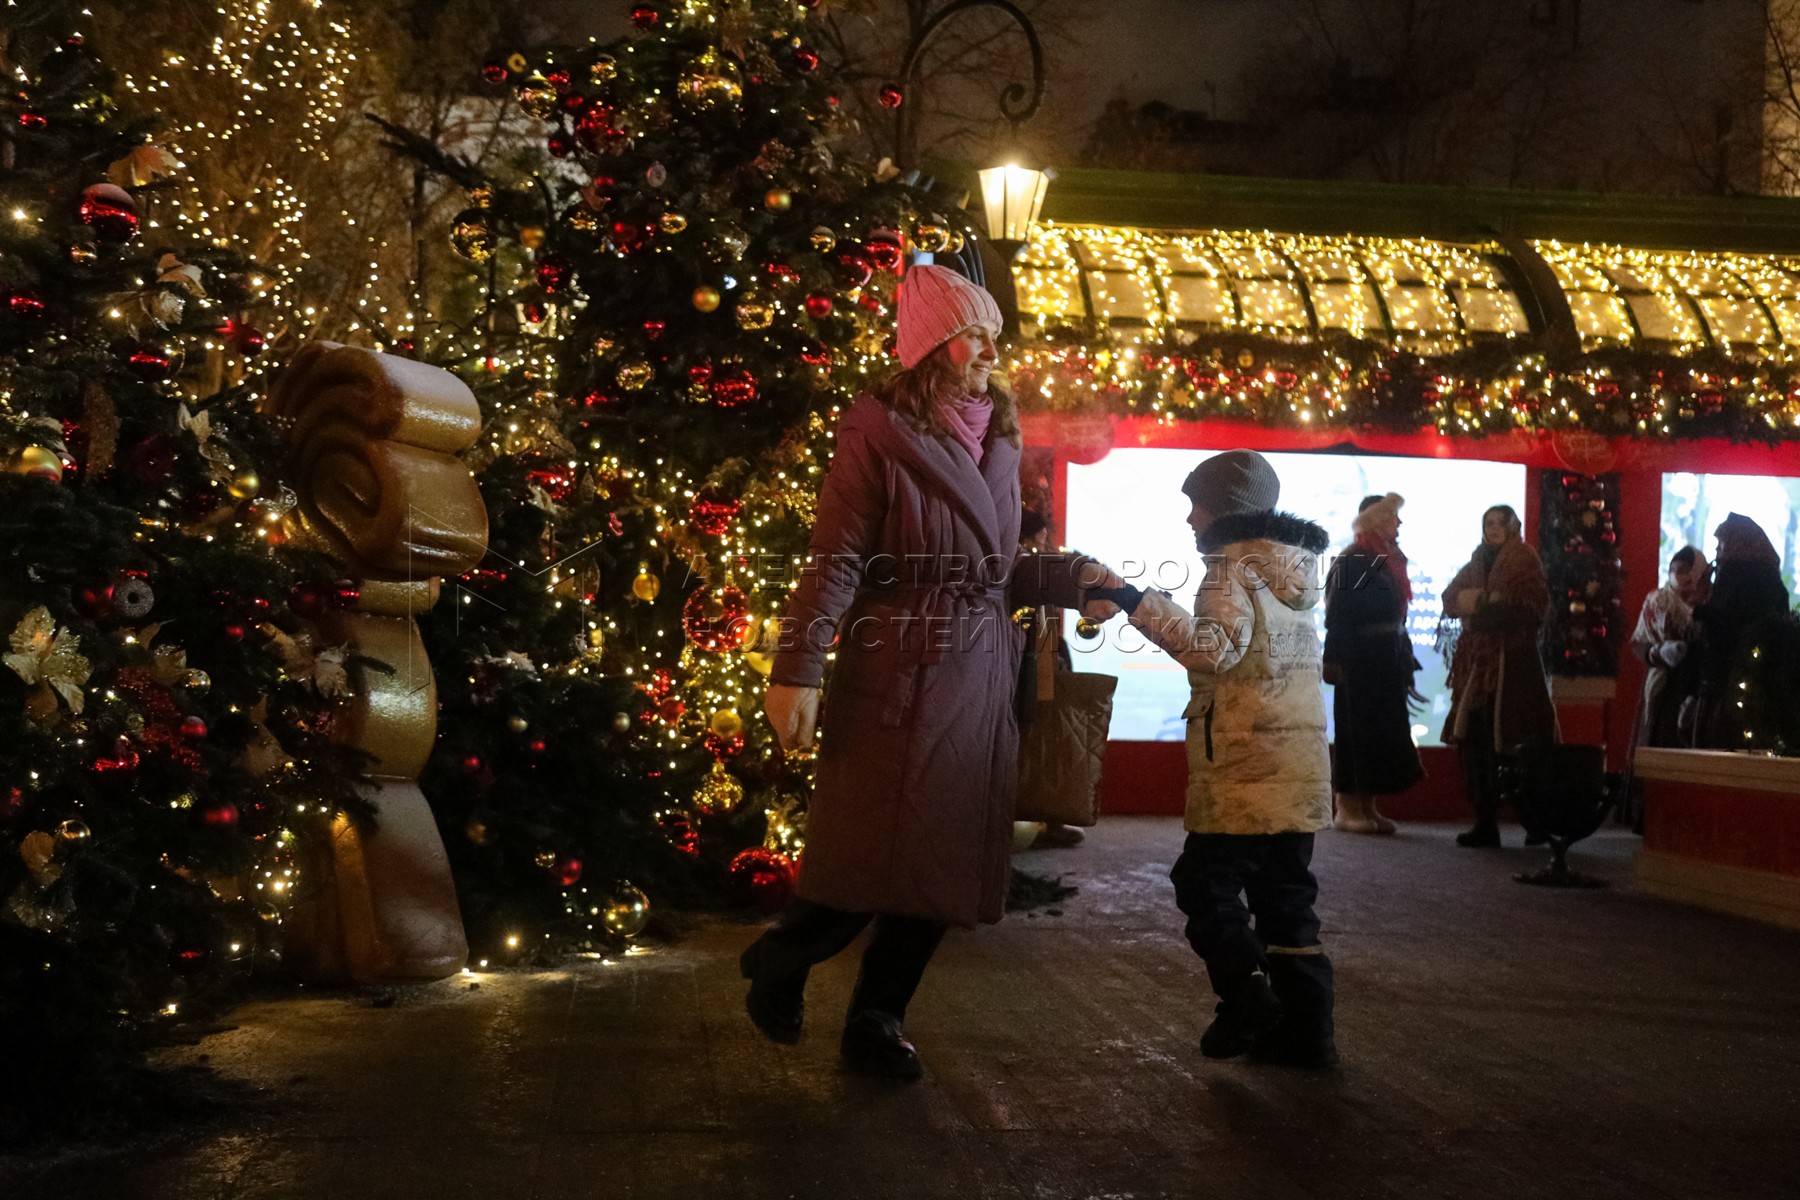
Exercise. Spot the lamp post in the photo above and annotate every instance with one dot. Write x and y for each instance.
(1012, 196)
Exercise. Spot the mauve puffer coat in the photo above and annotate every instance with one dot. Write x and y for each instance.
(1256, 749)
(913, 563)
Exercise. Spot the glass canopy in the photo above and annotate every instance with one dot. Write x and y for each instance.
(1423, 295)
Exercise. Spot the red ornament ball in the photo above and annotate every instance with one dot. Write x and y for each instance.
(152, 362)
(31, 118)
(885, 254)
(109, 211)
(653, 328)
(763, 878)
(597, 129)
(93, 596)
(891, 96)
(700, 374)
(716, 620)
(819, 306)
(495, 73)
(562, 144)
(646, 16)
(537, 745)
(193, 728)
(189, 957)
(554, 273)
(806, 59)
(471, 764)
(678, 827)
(816, 354)
(25, 305)
(560, 79)
(235, 631)
(567, 870)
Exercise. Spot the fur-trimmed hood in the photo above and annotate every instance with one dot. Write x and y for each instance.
(1271, 525)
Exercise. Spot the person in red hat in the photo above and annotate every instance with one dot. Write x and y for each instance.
(911, 579)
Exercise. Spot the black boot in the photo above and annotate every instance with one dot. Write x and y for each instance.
(1485, 836)
(1249, 1010)
(1305, 1036)
(873, 1044)
(776, 1001)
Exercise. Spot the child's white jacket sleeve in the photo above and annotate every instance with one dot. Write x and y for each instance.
(1216, 636)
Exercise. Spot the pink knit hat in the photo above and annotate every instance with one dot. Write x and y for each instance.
(935, 305)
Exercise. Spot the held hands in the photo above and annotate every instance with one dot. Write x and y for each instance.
(1094, 606)
(1670, 654)
(794, 712)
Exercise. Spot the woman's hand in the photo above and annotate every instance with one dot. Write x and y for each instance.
(794, 712)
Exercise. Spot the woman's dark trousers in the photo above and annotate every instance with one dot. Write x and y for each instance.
(1224, 882)
(1480, 764)
(898, 952)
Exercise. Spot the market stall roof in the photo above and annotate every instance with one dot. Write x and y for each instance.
(1428, 269)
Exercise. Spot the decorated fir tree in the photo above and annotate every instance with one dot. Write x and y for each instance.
(161, 712)
(682, 296)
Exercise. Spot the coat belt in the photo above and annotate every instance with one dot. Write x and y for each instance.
(937, 597)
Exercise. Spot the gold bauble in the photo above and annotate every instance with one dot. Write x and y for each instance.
(531, 236)
(673, 222)
(472, 236)
(778, 200)
(603, 346)
(956, 242)
(604, 68)
(477, 831)
(933, 239)
(706, 298)
(244, 484)
(635, 374)
(481, 197)
(37, 462)
(823, 239)
(73, 833)
(754, 312)
(627, 913)
(545, 859)
(1087, 628)
(197, 683)
(726, 723)
(596, 640)
(718, 792)
(537, 97)
(646, 587)
(712, 82)
(621, 722)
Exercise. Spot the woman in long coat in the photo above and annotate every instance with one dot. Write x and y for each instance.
(1369, 660)
(1499, 698)
(911, 578)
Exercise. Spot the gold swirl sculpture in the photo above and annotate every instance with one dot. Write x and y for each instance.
(371, 455)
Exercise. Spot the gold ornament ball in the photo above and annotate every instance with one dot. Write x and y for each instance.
(727, 724)
(646, 587)
(197, 683)
(481, 197)
(706, 298)
(634, 375)
(604, 68)
(621, 722)
(754, 312)
(718, 792)
(37, 462)
(933, 239)
(537, 97)
(627, 913)
(778, 200)
(73, 833)
(531, 236)
(712, 82)
(477, 831)
(1087, 628)
(957, 242)
(472, 236)
(603, 346)
(517, 724)
(823, 239)
(596, 639)
(545, 859)
(244, 484)
(672, 222)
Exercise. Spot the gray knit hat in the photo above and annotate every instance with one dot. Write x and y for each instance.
(1236, 481)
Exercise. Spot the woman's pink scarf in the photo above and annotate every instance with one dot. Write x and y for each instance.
(968, 420)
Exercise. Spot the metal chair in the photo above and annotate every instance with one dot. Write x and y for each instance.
(1562, 794)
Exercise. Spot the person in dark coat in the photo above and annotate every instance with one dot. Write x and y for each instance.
(1499, 697)
(911, 578)
(1746, 589)
(1369, 660)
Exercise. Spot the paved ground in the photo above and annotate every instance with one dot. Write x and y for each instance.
(1498, 1041)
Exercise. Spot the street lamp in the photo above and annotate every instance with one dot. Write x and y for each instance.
(1012, 197)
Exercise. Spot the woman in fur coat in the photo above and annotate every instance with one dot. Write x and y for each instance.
(1499, 698)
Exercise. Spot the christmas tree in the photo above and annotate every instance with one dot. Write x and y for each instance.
(683, 293)
(162, 714)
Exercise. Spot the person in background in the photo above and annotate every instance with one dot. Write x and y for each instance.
(1259, 769)
(1746, 588)
(910, 823)
(1660, 641)
(1499, 697)
(1369, 661)
(1034, 538)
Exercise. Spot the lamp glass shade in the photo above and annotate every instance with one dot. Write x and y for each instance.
(1012, 197)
